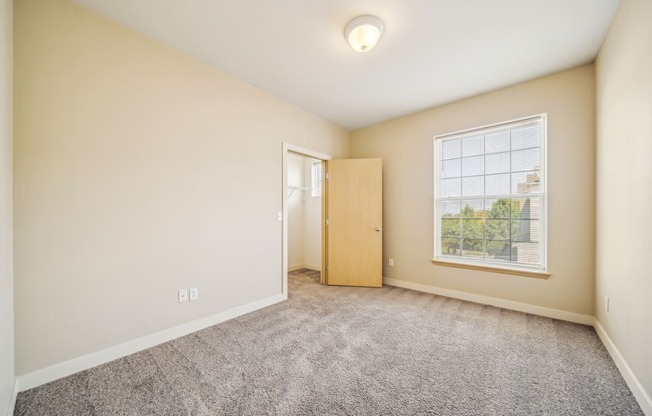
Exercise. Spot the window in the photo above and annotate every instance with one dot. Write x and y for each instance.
(316, 178)
(490, 195)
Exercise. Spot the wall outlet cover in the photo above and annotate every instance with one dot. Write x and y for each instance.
(183, 295)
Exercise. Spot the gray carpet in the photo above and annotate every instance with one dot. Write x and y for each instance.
(356, 351)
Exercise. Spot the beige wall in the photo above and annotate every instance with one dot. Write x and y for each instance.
(406, 146)
(624, 196)
(6, 261)
(138, 171)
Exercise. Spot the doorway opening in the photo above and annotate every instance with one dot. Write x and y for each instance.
(302, 212)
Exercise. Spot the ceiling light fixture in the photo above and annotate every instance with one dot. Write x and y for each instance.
(364, 32)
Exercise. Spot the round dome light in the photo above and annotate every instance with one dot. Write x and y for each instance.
(364, 32)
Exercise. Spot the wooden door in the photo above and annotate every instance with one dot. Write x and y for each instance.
(353, 234)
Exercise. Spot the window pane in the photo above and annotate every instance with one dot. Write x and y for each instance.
(450, 227)
(498, 250)
(451, 149)
(472, 228)
(497, 184)
(526, 231)
(316, 179)
(472, 248)
(451, 187)
(526, 208)
(473, 186)
(472, 146)
(497, 142)
(472, 166)
(450, 209)
(529, 159)
(472, 208)
(497, 163)
(529, 136)
(526, 183)
(497, 229)
(450, 246)
(451, 168)
(498, 208)
(527, 253)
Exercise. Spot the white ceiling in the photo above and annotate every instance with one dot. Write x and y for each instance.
(432, 52)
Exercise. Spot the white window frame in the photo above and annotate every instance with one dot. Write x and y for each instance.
(458, 261)
(317, 176)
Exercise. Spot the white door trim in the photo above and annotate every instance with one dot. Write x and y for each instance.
(289, 148)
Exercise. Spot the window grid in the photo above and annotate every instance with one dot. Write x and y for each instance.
(474, 240)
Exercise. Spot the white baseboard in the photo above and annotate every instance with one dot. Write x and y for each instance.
(9, 411)
(488, 300)
(312, 267)
(634, 385)
(57, 371)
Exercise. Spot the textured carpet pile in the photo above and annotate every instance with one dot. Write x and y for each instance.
(356, 351)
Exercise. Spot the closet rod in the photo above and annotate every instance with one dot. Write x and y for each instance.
(301, 188)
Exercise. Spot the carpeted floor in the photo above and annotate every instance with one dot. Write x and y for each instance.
(356, 351)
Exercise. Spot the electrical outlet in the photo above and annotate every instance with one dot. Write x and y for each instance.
(279, 216)
(390, 262)
(183, 295)
(194, 293)
(606, 303)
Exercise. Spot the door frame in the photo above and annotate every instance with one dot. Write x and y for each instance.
(301, 151)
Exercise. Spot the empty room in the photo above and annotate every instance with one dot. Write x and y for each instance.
(292, 207)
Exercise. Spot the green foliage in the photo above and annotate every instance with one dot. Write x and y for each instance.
(475, 227)
(498, 220)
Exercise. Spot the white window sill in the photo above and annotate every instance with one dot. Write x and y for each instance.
(539, 274)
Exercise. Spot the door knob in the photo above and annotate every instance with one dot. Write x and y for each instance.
(378, 229)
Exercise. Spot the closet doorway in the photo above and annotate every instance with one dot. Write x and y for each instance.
(349, 235)
(304, 214)
(302, 211)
